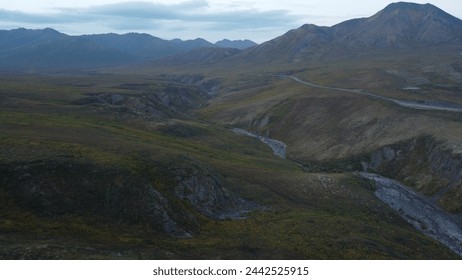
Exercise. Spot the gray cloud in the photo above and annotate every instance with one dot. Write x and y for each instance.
(21, 17)
(194, 15)
(144, 10)
(249, 19)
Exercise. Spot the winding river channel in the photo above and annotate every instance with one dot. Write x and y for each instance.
(419, 211)
(415, 208)
(278, 147)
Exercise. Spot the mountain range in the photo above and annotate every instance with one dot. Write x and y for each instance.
(399, 27)
(25, 48)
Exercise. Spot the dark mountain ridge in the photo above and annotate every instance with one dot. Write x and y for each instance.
(23, 37)
(399, 27)
(24, 48)
(145, 46)
(236, 44)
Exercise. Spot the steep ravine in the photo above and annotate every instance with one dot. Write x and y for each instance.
(278, 147)
(412, 160)
(425, 164)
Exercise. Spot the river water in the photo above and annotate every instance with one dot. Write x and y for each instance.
(278, 147)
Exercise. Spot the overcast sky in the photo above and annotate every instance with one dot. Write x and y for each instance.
(258, 20)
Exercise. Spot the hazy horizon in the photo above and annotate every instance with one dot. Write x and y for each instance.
(212, 20)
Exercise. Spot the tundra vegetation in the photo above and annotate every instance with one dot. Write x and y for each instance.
(141, 161)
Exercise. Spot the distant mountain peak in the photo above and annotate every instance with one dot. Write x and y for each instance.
(405, 23)
(51, 30)
(407, 5)
(421, 11)
(399, 26)
(48, 30)
(235, 44)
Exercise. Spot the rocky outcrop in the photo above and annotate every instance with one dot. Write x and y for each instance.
(209, 193)
(70, 187)
(170, 101)
(54, 188)
(208, 86)
(425, 164)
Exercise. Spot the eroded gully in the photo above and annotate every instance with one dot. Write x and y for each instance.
(418, 210)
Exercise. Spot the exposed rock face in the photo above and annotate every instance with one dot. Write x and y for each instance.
(63, 187)
(425, 164)
(57, 188)
(166, 102)
(209, 193)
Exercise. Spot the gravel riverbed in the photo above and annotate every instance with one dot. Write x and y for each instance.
(419, 211)
(415, 208)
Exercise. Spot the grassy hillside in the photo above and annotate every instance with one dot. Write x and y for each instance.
(105, 167)
(327, 129)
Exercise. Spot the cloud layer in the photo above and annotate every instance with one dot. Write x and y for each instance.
(189, 19)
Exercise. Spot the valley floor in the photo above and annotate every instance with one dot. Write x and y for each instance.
(118, 167)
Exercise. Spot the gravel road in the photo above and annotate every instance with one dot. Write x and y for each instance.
(427, 105)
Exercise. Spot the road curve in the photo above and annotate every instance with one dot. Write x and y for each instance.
(406, 104)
